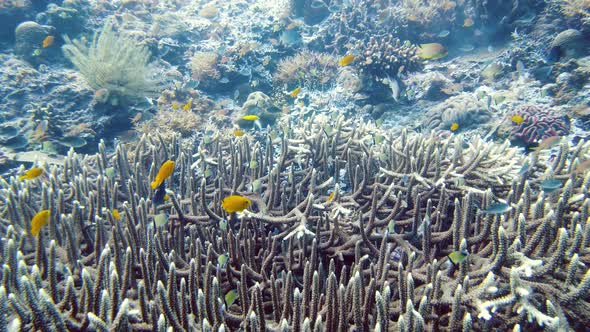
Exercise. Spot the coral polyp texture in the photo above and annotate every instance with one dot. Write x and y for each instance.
(539, 122)
(372, 256)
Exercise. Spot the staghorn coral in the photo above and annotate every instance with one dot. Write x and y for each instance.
(372, 257)
(309, 69)
(426, 12)
(115, 62)
(576, 8)
(539, 122)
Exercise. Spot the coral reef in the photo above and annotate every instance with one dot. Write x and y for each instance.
(369, 257)
(203, 66)
(309, 69)
(539, 122)
(115, 62)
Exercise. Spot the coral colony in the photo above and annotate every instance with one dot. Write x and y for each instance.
(294, 165)
(373, 255)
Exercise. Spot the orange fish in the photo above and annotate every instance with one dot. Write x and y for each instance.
(48, 41)
(468, 22)
(31, 174)
(165, 171)
(454, 126)
(39, 220)
(235, 203)
(346, 60)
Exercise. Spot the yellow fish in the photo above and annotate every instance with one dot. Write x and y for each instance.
(346, 60)
(238, 132)
(454, 126)
(187, 107)
(295, 92)
(235, 203)
(458, 256)
(31, 174)
(175, 105)
(432, 51)
(116, 214)
(330, 197)
(165, 171)
(39, 220)
(250, 117)
(48, 41)
(517, 119)
(468, 22)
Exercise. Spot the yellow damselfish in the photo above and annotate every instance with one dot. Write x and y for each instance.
(31, 174)
(235, 203)
(165, 171)
(238, 132)
(454, 126)
(517, 119)
(116, 214)
(250, 117)
(295, 92)
(39, 220)
(187, 107)
(346, 60)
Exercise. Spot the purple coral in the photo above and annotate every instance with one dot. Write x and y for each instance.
(539, 122)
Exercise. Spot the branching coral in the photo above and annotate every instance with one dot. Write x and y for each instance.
(576, 8)
(115, 62)
(372, 256)
(383, 58)
(426, 12)
(308, 69)
(539, 122)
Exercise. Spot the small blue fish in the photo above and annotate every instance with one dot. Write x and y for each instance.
(550, 185)
(496, 208)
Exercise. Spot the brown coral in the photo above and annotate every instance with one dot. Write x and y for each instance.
(308, 69)
(203, 66)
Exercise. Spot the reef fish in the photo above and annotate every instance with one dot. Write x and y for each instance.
(187, 107)
(432, 51)
(31, 174)
(238, 132)
(116, 214)
(235, 203)
(295, 92)
(250, 117)
(48, 41)
(550, 185)
(547, 143)
(468, 22)
(454, 126)
(346, 60)
(161, 219)
(458, 256)
(165, 171)
(582, 166)
(230, 298)
(496, 208)
(518, 119)
(39, 220)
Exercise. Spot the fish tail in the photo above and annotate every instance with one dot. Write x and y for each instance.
(22, 177)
